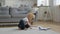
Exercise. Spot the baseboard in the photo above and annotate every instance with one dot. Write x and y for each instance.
(46, 20)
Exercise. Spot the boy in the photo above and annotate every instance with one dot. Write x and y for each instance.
(26, 22)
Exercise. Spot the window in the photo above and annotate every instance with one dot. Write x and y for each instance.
(56, 2)
(43, 2)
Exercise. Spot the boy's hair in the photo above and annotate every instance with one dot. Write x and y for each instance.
(30, 16)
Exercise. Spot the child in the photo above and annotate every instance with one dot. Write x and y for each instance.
(26, 22)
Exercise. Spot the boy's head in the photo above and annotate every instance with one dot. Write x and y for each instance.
(30, 16)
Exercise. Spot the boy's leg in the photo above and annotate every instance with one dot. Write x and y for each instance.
(21, 25)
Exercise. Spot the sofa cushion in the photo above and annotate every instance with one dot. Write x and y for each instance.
(19, 15)
(17, 12)
(14, 11)
(4, 10)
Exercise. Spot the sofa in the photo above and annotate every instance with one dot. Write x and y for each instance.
(12, 14)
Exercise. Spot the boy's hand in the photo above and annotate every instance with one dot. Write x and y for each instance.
(30, 27)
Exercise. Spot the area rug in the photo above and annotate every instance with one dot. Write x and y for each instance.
(15, 30)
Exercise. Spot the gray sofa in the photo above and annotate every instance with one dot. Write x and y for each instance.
(12, 14)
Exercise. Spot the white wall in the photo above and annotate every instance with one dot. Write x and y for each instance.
(56, 14)
(2, 2)
(51, 2)
(17, 3)
(55, 11)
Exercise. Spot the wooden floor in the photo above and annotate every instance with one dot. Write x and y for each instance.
(54, 25)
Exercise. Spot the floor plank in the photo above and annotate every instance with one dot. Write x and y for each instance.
(54, 26)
